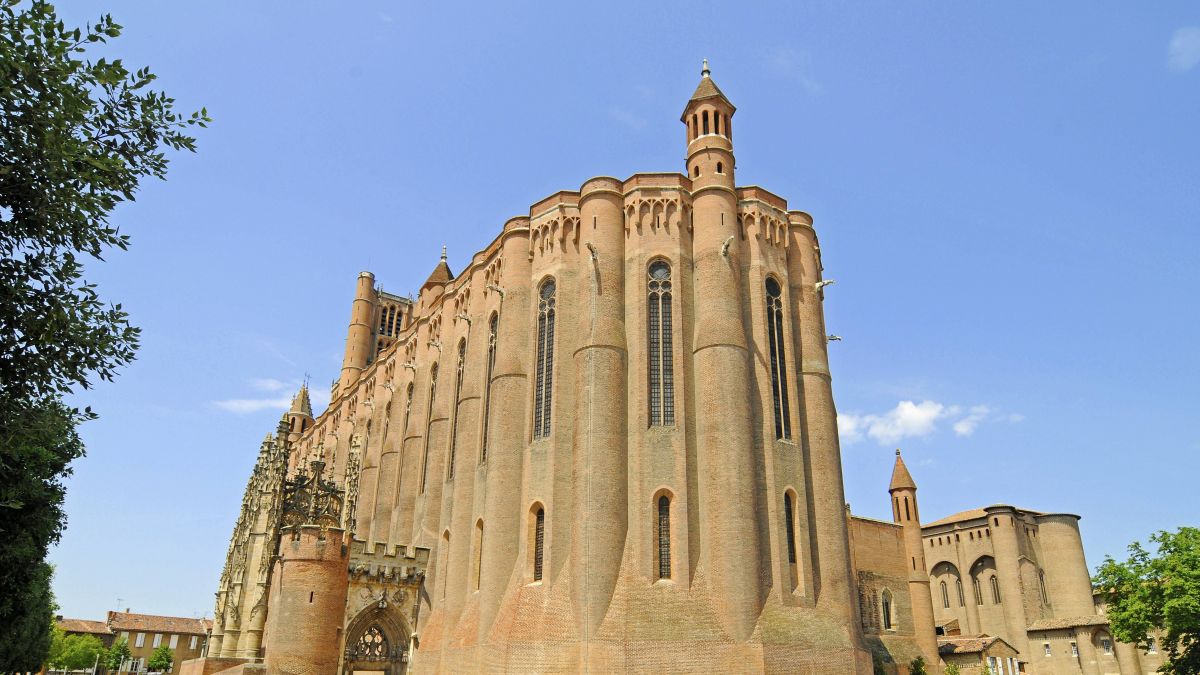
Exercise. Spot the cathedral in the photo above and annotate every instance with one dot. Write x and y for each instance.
(608, 444)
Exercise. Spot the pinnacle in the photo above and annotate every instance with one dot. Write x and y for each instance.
(901, 478)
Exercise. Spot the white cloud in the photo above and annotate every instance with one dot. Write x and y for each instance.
(245, 406)
(795, 65)
(270, 384)
(967, 425)
(1183, 52)
(627, 118)
(915, 420)
(906, 420)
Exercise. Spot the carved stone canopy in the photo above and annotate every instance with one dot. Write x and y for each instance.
(309, 498)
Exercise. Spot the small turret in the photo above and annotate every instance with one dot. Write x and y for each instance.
(904, 512)
(360, 346)
(709, 119)
(298, 419)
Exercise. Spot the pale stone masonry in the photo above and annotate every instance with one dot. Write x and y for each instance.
(609, 444)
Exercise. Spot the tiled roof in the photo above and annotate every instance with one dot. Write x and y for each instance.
(973, 514)
(83, 626)
(966, 644)
(118, 621)
(970, 514)
(1069, 622)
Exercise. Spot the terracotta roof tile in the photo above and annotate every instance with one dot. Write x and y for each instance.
(84, 626)
(1069, 622)
(118, 621)
(966, 644)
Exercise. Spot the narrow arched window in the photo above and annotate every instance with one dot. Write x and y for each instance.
(704, 120)
(664, 537)
(493, 325)
(445, 570)
(995, 590)
(789, 522)
(695, 126)
(458, 378)
(477, 572)
(1042, 583)
(433, 375)
(887, 610)
(779, 390)
(908, 515)
(958, 583)
(978, 591)
(717, 123)
(407, 409)
(661, 358)
(539, 540)
(945, 596)
(544, 382)
(720, 168)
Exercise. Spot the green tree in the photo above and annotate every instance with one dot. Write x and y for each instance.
(77, 652)
(117, 654)
(1159, 591)
(951, 669)
(917, 666)
(77, 137)
(161, 659)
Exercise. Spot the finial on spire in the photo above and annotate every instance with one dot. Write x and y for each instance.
(897, 452)
(443, 253)
(705, 72)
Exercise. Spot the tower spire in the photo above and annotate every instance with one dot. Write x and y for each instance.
(704, 71)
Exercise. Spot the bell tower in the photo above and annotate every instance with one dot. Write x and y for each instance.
(904, 513)
(708, 117)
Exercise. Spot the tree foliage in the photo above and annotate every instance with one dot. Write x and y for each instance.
(76, 652)
(117, 654)
(1158, 592)
(917, 666)
(161, 659)
(77, 137)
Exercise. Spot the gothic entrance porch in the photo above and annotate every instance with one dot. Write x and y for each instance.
(377, 644)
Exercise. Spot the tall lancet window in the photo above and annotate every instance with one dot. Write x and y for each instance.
(664, 537)
(544, 382)
(789, 521)
(779, 389)
(493, 325)
(539, 542)
(661, 360)
(433, 375)
(407, 410)
(458, 378)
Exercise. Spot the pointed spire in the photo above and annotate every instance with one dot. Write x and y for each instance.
(301, 405)
(707, 89)
(441, 274)
(901, 478)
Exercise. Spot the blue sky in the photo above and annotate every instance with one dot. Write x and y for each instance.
(1006, 194)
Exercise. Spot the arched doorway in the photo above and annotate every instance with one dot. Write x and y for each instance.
(377, 642)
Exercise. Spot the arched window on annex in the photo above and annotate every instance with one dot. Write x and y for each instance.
(983, 572)
(887, 610)
(775, 335)
(537, 541)
(660, 343)
(543, 390)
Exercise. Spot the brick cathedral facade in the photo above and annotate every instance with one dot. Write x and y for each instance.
(609, 444)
